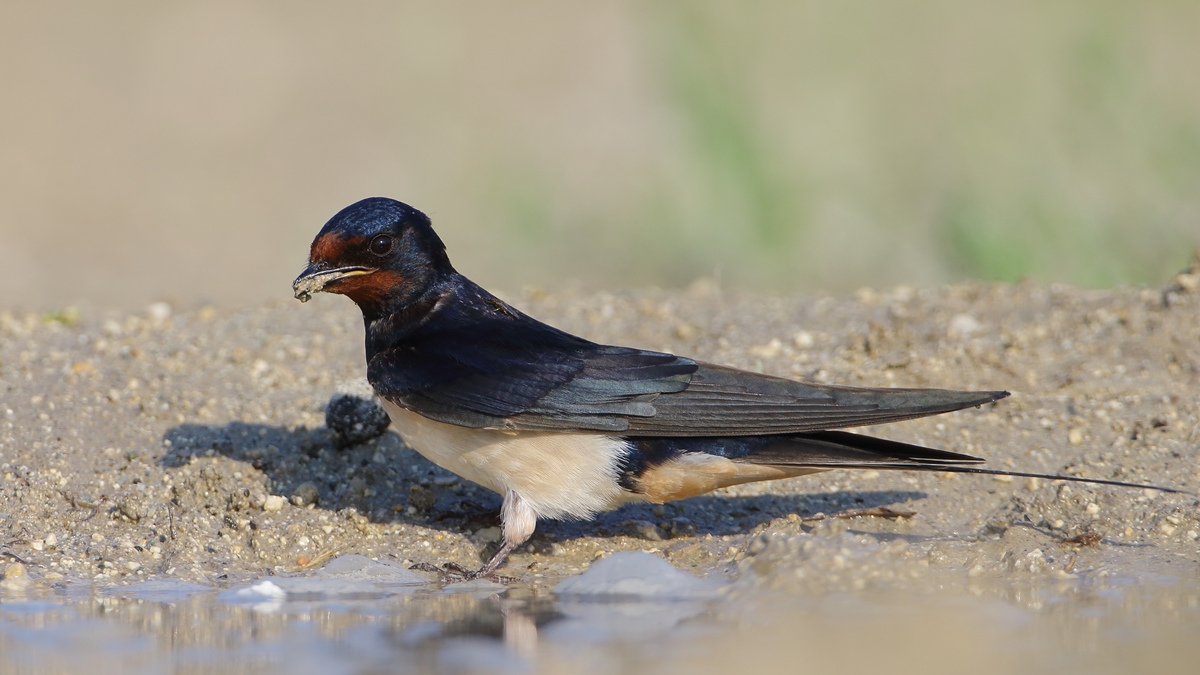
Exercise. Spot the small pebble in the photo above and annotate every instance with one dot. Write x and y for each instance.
(421, 499)
(680, 527)
(686, 331)
(305, 494)
(273, 503)
(963, 325)
(646, 530)
(15, 578)
(489, 535)
(159, 312)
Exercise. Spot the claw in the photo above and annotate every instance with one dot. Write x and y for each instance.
(452, 572)
(426, 567)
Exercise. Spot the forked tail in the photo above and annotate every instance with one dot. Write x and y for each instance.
(843, 450)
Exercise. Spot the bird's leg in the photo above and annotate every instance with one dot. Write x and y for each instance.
(495, 561)
(518, 521)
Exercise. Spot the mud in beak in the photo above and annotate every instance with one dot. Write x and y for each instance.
(317, 276)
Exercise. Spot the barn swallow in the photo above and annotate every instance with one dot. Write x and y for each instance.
(565, 428)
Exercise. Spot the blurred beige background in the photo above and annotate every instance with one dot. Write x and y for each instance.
(188, 151)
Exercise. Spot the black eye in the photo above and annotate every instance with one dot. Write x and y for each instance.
(381, 245)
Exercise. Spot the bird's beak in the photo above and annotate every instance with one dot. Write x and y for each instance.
(317, 276)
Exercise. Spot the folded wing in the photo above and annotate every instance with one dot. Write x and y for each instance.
(477, 362)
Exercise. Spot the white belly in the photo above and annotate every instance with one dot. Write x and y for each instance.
(559, 475)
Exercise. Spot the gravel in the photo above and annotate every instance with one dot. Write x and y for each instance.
(199, 446)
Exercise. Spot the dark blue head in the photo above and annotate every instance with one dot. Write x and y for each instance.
(379, 252)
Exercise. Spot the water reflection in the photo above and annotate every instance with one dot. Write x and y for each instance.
(631, 612)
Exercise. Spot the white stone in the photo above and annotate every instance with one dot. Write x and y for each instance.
(963, 325)
(634, 573)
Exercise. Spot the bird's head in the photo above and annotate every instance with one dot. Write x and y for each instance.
(378, 252)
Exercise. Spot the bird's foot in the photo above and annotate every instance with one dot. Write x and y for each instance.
(452, 572)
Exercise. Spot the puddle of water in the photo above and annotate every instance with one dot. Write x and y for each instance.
(631, 612)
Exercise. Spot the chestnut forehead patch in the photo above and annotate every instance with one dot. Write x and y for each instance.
(329, 247)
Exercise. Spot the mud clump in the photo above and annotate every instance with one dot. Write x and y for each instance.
(355, 420)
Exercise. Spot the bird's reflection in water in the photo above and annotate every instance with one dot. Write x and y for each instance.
(508, 621)
(516, 626)
(520, 631)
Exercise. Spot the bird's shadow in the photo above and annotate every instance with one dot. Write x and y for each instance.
(388, 482)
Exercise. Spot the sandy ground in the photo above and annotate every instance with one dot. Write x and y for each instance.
(193, 445)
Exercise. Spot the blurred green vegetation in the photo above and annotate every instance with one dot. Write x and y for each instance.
(1059, 141)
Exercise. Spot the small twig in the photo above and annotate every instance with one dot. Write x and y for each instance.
(1085, 539)
(95, 510)
(318, 560)
(79, 503)
(876, 511)
(14, 556)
